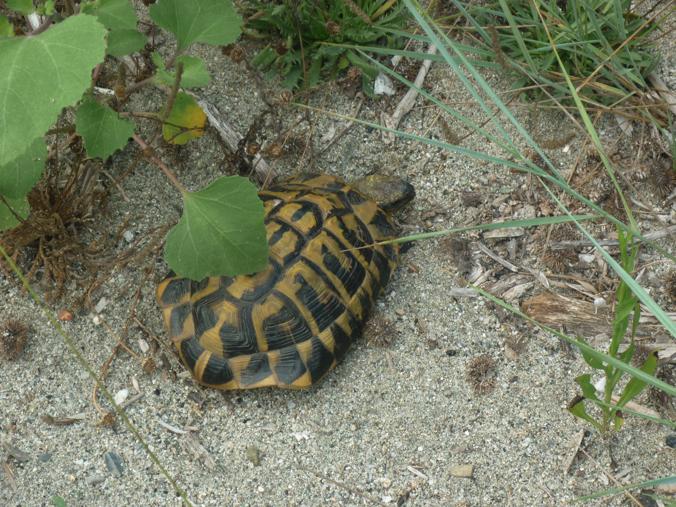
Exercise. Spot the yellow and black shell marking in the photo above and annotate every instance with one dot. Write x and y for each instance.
(288, 325)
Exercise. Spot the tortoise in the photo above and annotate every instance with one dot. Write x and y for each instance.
(291, 323)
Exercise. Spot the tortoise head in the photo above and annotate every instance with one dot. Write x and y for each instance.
(389, 192)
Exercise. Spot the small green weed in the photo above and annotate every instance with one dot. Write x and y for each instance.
(304, 54)
(603, 44)
(626, 306)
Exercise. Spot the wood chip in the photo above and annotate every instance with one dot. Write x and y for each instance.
(417, 472)
(191, 443)
(62, 421)
(578, 316)
(507, 232)
(15, 453)
(171, 427)
(462, 471)
(575, 444)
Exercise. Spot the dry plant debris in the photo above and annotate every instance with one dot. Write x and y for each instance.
(49, 242)
(13, 337)
(380, 331)
(481, 374)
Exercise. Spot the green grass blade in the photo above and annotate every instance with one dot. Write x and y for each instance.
(663, 481)
(517, 35)
(530, 222)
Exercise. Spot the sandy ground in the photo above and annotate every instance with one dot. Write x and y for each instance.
(389, 426)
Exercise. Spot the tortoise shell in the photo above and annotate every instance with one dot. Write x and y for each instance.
(288, 325)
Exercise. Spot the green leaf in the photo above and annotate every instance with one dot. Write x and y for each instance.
(116, 14)
(22, 6)
(47, 9)
(58, 501)
(21, 174)
(221, 231)
(124, 42)
(264, 58)
(209, 21)
(588, 389)
(185, 122)
(592, 360)
(102, 130)
(8, 219)
(6, 28)
(635, 385)
(578, 410)
(120, 19)
(195, 73)
(43, 74)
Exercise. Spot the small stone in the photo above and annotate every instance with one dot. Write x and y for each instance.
(121, 395)
(385, 482)
(383, 85)
(113, 463)
(101, 305)
(586, 258)
(671, 440)
(65, 315)
(45, 457)
(253, 454)
(464, 471)
(95, 479)
(128, 236)
(143, 345)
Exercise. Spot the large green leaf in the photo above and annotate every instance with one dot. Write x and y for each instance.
(221, 231)
(19, 206)
(116, 14)
(41, 75)
(119, 17)
(209, 21)
(195, 74)
(21, 174)
(102, 130)
(123, 42)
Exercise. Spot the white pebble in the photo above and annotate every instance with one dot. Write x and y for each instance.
(121, 395)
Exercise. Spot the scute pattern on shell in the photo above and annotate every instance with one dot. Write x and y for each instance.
(288, 325)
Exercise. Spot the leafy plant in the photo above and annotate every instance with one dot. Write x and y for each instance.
(603, 45)
(627, 305)
(307, 30)
(51, 70)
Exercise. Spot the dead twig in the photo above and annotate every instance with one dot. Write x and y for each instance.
(497, 258)
(407, 102)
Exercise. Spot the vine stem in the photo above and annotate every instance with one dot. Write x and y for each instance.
(150, 154)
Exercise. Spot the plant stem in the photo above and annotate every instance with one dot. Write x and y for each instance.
(150, 155)
(172, 94)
